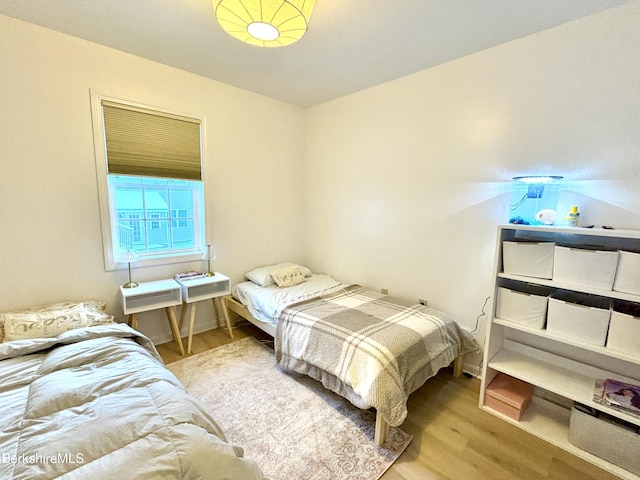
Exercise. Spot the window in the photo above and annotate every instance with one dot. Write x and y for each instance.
(154, 223)
(150, 182)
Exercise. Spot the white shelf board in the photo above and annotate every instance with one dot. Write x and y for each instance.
(573, 287)
(556, 378)
(550, 422)
(587, 346)
(596, 232)
(217, 278)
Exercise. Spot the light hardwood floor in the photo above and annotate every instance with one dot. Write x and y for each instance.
(452, 438)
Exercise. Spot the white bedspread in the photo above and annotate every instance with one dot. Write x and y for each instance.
(97, 403)
(266, 303)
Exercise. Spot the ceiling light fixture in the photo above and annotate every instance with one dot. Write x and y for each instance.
(264, 23)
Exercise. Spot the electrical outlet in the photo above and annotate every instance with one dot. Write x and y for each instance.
(384, 291)
(422, 301)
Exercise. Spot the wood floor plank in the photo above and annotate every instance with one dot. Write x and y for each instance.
(453, 439)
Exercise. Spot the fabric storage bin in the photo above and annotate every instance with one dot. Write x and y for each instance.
(624, 328)
(627, 277)
(529, 259)
(579, 316)
(587, 268)
(509, 396)
(605, 436)
(526, 305)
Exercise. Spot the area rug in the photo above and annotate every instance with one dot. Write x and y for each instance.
(289, 424)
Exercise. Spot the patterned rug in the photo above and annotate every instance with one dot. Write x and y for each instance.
(288, 423)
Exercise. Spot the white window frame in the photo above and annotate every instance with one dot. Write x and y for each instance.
(107, 207)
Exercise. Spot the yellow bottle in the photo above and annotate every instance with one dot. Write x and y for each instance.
(573, 217)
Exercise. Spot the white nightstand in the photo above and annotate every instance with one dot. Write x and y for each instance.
(152, 296)
(204, 289)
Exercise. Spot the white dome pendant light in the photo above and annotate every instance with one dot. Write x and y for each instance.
(264, 23)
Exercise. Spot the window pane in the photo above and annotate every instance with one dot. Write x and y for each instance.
(156, 202)
(157, 216)
(182, 234)
(158, 236)
(129, 234)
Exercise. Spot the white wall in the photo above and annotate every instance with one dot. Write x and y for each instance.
(50, 247)
(403, 184)
(406, 182)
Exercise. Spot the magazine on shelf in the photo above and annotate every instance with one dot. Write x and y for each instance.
(191, 275)
(619, 395)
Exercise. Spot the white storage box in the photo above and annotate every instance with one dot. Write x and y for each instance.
(529, 259)
(627, 277)
(578, 316)
(527, 306)
(587, 268)
(624, 329)
(607, 437)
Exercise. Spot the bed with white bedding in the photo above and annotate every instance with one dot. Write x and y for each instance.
(95, 401)
(373, 349)
(266, 303)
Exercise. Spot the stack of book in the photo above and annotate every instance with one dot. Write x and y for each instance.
(191, 275)
(618, 395)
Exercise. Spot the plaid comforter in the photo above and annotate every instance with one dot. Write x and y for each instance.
(370, 348)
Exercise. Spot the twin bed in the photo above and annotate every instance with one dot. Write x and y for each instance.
(96, 401)
(373, 349)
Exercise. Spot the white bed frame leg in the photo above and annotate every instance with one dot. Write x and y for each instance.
(382, 430)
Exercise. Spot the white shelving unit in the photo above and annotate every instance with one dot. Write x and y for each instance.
(205, 288)
(562, 370)
(152, 296)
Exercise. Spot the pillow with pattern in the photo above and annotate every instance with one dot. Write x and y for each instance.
(263, 275)
(18, 326)
(288, 276)
(51, 320)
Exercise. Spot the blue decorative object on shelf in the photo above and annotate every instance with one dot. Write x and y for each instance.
(534, 200)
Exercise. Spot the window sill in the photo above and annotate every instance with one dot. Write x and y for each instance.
(156, 262)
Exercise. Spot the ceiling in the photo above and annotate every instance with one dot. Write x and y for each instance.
(350, 44)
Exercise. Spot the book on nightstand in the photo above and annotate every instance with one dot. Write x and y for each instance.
(191, 275)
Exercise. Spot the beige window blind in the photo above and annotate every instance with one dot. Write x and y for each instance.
(152, 144)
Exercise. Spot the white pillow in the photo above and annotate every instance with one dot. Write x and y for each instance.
(262, 275)
(51, 320)
(18, 326)
(288, 276)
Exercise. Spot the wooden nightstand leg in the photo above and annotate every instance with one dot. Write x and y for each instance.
(226, 316)
(173, 323)
(216, 311)
(183, 310)
(192, 321)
